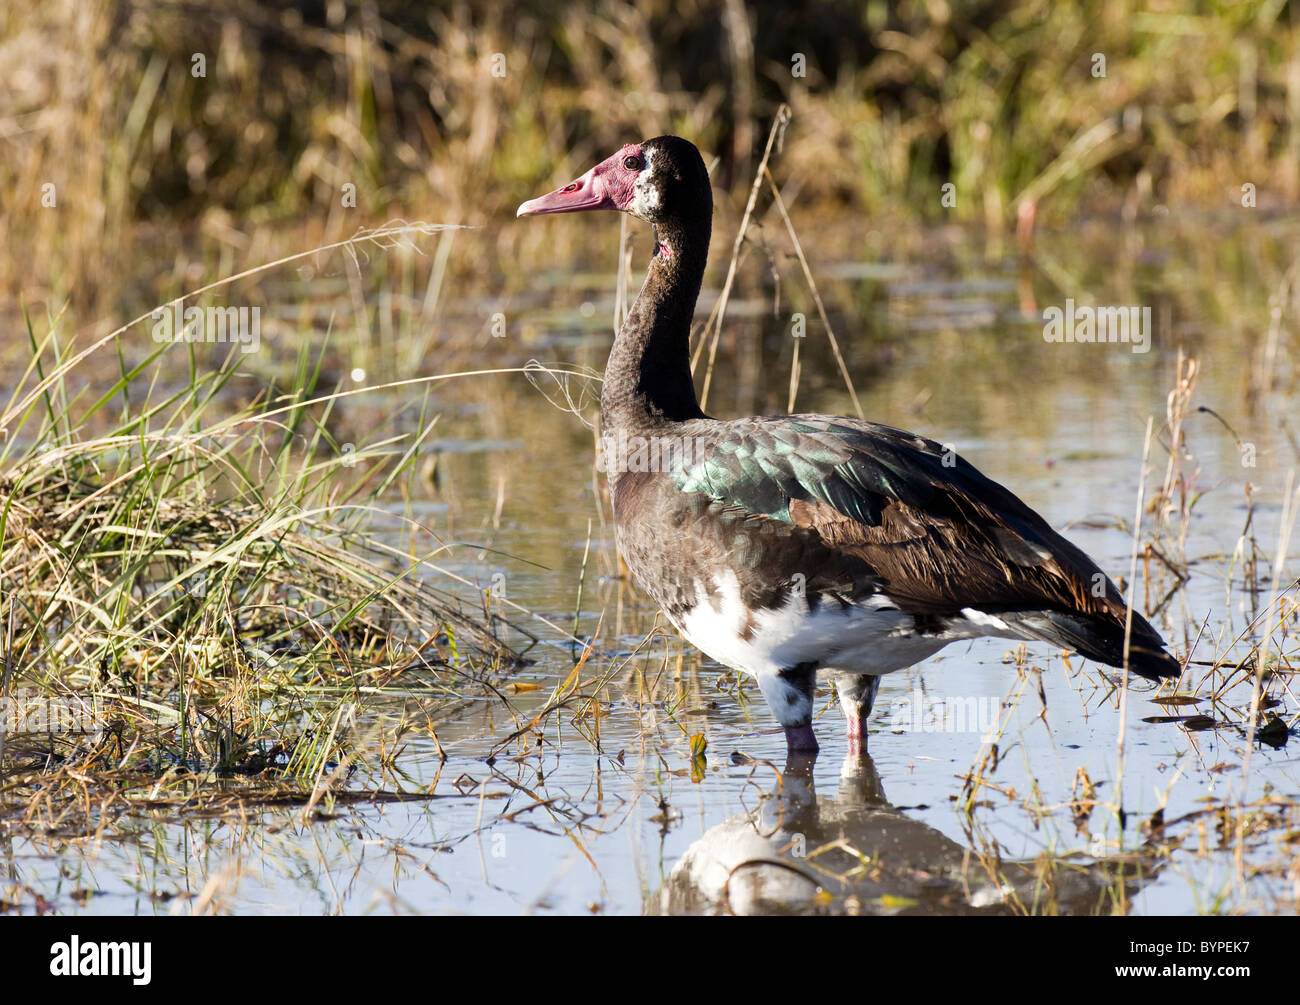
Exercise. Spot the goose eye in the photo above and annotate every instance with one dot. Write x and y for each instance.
(632, 163)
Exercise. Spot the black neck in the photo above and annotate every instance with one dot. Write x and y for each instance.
(648, 377)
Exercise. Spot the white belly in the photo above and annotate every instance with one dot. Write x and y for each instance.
(871, 636)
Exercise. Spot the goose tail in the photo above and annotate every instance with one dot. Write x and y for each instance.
(1103, 641)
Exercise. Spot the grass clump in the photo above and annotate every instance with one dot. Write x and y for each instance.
(191, 606)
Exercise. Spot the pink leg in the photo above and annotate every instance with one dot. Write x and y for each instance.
(801, 738)
(857, 733)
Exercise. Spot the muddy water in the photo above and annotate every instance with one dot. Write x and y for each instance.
(610, 814)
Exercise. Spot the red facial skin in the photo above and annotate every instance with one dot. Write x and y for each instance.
(606, 186)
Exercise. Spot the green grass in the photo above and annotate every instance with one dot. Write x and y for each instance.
(203, 579)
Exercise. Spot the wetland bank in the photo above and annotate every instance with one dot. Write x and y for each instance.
(337, 625)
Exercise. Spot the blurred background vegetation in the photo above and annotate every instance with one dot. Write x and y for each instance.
(169, 123)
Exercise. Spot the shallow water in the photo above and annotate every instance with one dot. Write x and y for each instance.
(938, 340)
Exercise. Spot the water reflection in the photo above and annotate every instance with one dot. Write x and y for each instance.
(855, 853)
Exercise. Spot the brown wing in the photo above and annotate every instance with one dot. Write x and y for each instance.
(937, 535)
